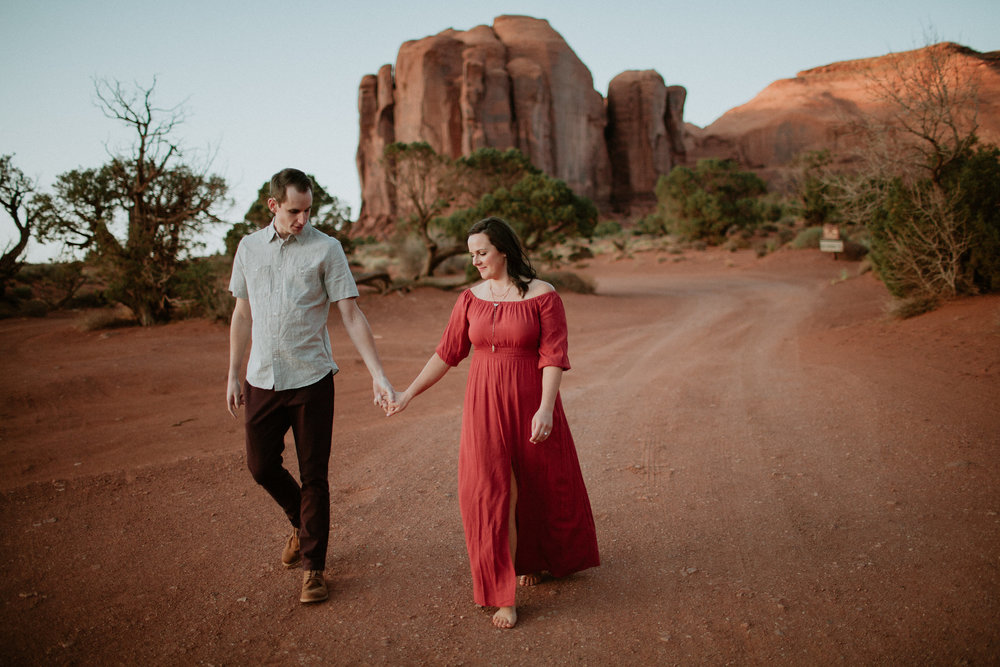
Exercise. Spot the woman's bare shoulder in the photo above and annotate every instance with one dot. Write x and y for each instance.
(480, 290)
(538, 287)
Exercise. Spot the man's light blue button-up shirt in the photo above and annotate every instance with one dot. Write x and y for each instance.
(290, 284)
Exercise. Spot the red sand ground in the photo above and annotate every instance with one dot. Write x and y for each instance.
(780, 474)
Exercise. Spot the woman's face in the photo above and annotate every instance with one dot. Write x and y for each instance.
(492, 263)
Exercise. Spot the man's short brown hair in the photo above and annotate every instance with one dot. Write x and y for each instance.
(293, 177)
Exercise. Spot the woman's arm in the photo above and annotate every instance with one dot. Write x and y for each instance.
(433, 370)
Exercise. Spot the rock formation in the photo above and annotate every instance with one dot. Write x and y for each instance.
(817, 108)
(375, 106)
(516, 84)
(645, 134)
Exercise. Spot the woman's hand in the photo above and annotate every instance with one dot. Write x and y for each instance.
(399, 403)
(541, 425)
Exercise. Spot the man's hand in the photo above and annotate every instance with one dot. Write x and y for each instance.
(384, 394)
(234, 396)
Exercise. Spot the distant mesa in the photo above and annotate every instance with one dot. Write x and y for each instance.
(816, 109)
(518, 84)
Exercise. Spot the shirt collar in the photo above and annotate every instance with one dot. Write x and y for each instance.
(302, 237)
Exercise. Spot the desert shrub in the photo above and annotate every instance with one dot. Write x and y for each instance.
(976, 182)
(912, 306)
(773, 208)
(34, 308)
(808, 238)
(201, 288)
(709, 200)
(56, 283)
(811, 187)
(607, 228)
(236, 233)
(785, 235)
(736, 242)
(579, 252)
(653, 224)
(93, 298)
(854, 251)
(21, 292)
(939, 236)
(542, 210)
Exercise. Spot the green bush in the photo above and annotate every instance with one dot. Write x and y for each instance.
(912, 306)
(939, 236)
(812, 188)
(976, 180)
(808, 238)
(607, 228)
(201, 287)
(706, 202)
(21, 292)
(57, 283)
(653, 224)
(542, 210)
(34, 308)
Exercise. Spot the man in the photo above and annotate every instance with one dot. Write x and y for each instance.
(284, 278)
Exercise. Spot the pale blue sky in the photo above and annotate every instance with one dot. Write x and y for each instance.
(269, 85)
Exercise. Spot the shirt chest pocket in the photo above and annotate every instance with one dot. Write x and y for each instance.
(259, 280)
(303, 285)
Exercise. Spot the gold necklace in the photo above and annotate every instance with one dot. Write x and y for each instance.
(496, 301)
(496, 304)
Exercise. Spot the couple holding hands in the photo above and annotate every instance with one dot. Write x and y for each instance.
(523, 502)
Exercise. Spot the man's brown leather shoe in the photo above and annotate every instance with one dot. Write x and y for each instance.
(314, 587)
(290, 556)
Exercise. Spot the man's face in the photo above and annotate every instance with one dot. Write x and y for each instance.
(291, 215)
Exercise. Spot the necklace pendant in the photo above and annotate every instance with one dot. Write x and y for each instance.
(493, 348)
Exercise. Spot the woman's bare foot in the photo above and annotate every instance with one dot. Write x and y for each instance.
(532, 579)
(505, 618)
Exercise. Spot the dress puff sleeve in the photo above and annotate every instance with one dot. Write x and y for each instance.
(455, 343)
(553, 343)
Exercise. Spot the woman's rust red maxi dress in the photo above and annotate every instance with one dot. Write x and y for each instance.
(512, 341)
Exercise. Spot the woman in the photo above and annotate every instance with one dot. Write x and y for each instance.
(524, 504)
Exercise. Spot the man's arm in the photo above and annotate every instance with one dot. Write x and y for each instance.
(360, 333)
(239, 338)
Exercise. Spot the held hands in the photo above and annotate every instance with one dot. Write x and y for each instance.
(384, 394)
(397, 406)
(388, 398)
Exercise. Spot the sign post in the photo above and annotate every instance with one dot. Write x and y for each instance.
(831, 241)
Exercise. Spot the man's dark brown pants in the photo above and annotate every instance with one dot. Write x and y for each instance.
(308, 412)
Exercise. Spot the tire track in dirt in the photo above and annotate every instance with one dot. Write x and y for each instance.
(715, 389)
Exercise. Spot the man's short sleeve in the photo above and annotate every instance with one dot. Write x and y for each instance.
(338, 279)
(238, 279)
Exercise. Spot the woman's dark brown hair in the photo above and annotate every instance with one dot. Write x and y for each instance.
(505, 239)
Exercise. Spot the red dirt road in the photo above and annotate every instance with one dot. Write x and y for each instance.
(779, 475)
